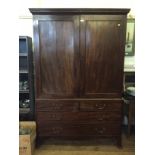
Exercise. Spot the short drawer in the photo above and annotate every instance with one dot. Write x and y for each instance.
(79, 130)
(57, 105)
(80, 117)
(101, 105)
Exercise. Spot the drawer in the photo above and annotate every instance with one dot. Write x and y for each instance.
(79, 130)
(57, 105)
(81, 117)
(101, 105)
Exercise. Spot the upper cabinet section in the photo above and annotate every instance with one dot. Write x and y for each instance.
(79, 52)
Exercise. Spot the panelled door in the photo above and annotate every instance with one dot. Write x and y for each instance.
(102, 55)
(56, 44)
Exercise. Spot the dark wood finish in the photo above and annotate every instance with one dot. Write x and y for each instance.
(78, 117)
(79, 11)
(58, 66)
(100, 53)
(79, 58)
(102, 105)
(78, 129)
(48, 105)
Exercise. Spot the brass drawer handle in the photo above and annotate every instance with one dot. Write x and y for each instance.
(56, 117)
(56, 106)
(56, 130)
(100, 130)
(100, 107)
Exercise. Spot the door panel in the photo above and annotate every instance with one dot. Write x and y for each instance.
(58, 56)
(103, 56)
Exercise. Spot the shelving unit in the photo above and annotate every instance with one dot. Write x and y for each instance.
(26, 86)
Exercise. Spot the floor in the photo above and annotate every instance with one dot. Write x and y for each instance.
(98, 147)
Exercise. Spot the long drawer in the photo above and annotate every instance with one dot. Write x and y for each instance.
(79, 130)
(81, 117)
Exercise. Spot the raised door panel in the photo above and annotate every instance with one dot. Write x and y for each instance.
(57, 56)
(103, 53)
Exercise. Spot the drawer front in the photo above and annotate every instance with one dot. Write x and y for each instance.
(79, 130)
(102, 105)
(82, 117)
(57, 105)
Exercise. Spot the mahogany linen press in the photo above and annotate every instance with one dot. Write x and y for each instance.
(79, 61)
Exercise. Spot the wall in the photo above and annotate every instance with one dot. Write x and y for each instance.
(25, 17)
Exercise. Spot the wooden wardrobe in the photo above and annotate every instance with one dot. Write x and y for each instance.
(79, 58)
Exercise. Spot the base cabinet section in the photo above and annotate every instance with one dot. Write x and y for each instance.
(79, 118)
